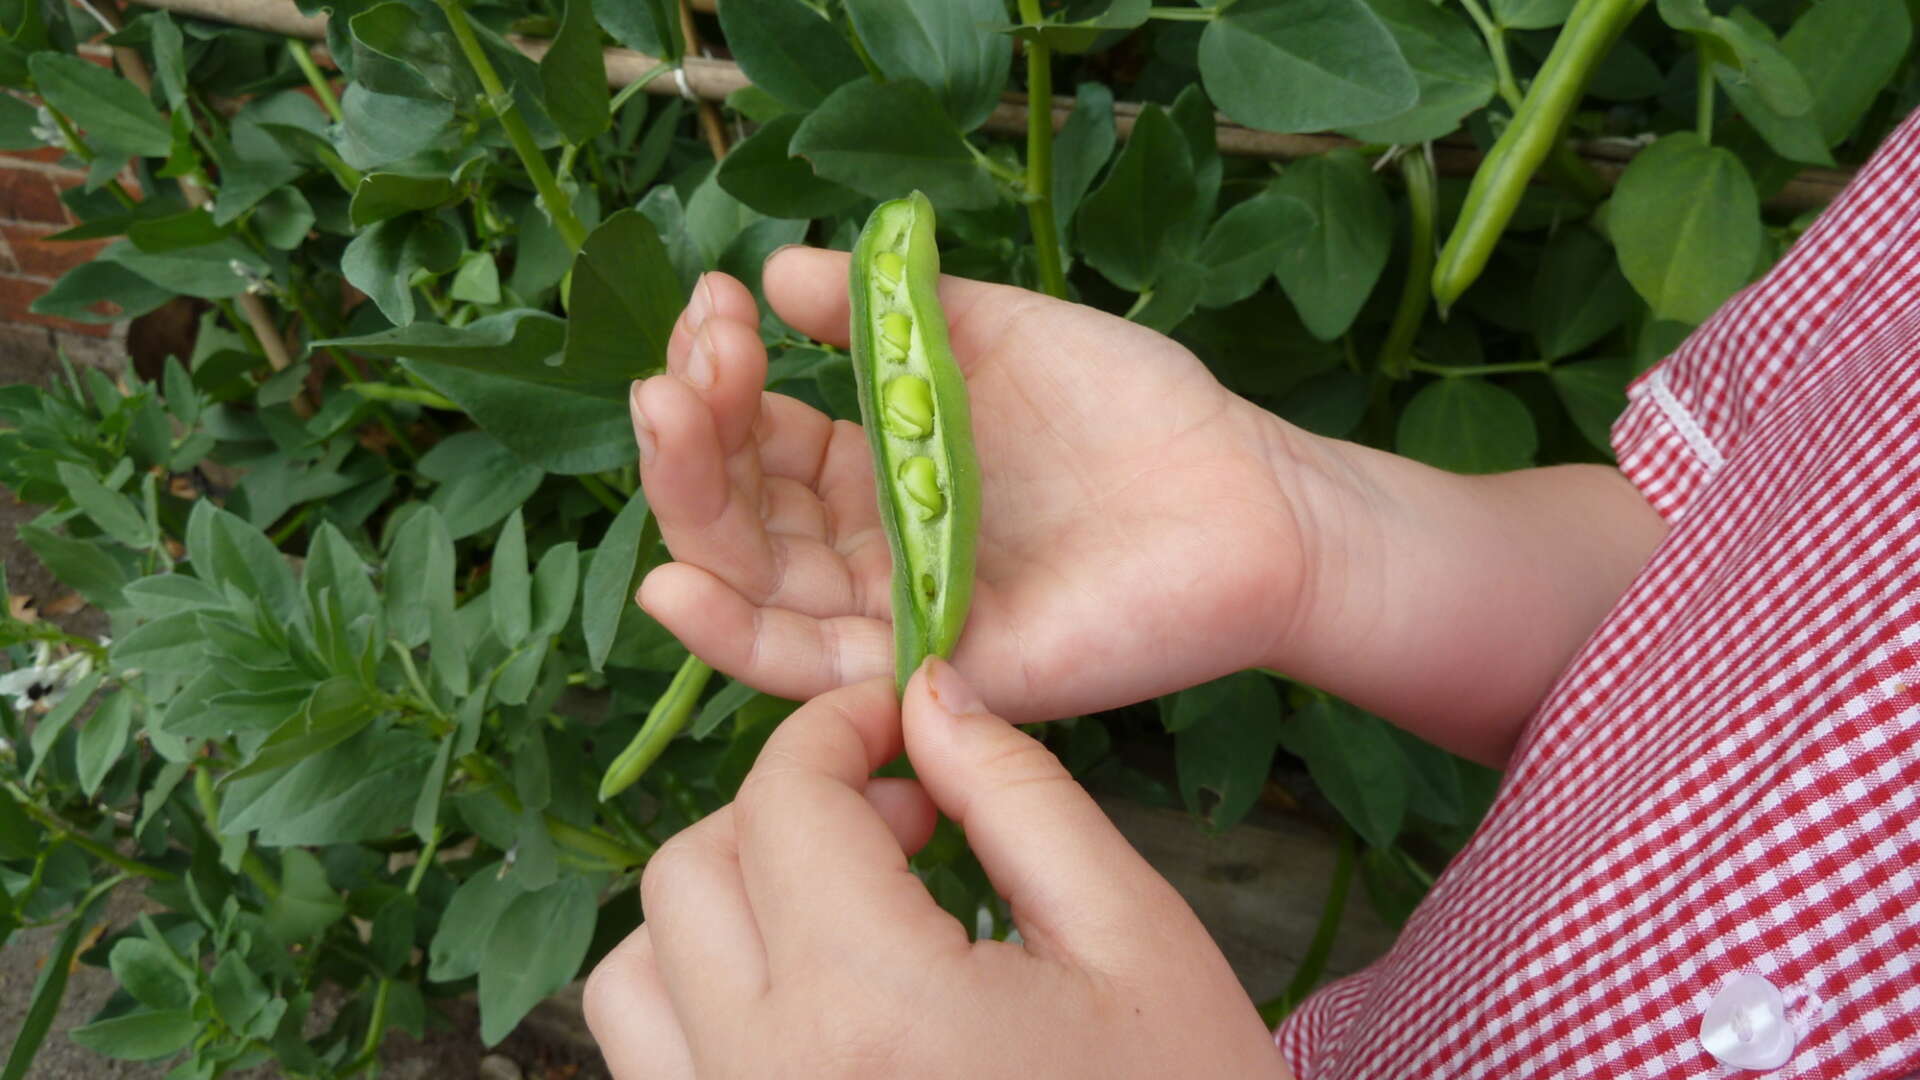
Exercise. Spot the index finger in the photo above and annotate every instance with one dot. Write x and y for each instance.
(825, 874)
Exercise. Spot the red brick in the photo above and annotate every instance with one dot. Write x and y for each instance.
(36, 256)
(17, 294)
(28, 195)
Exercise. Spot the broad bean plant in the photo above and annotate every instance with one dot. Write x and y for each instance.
(368, 713)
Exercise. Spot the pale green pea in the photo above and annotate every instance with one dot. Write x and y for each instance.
(909, 403)
(921, 481)
(896, 331)
(890, 267)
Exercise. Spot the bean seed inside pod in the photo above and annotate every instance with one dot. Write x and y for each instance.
(890, 267)
(909, 407)
(896, 332)
(921, 482)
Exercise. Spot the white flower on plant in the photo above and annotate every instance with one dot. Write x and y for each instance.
(257, 283)
(47, 129)
(42, 684)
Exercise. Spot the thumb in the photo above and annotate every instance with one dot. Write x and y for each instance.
(1077, 888)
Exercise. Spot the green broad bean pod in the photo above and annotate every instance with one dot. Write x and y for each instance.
(913, 402)
(1528, 140)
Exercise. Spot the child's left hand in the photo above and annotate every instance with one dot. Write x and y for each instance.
(786, 936)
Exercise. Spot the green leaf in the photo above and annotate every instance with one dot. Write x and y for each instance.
(535, 948)
(1450, 65)
(206, 271)
(1595, 394)
(1847, 50)
(362, 789)
(1353, 758)
(624, 302)
(78, 564)
(481, 481)
(1082, 148)
(612, 575)
(80, 290)
(419, 576)
(426, 806)
(524, 344)
(283, 217)
(19, 836)
(1224, 751)
(1467, 425)
(1128, 225)
(104, 105)
(392, 937)
(1762, 67)
(944, 44)
(172, 643)
(176, 232)
(1578, 295)
(648, 26)
(101, 741)
(885, 141)
(338, 710)
(237, 993)
(510, 596)
(381, 260)
(112, 511)
(18, 120)
(234, 552)
(573, 75)
(789, 50)
(555, 428)
(760, 173)
(1329, 277)
(48, 988)
(1685, 220)
(151, 973)
(139, 1036)
(1331, 403)
(1304, 65)
(1531, 14)
(721, 706)
(383, 195)
(402, 50)
(385, 129)
(460, 942)
(333, 564)
(478, 279)
(306, 904)
(1246, 243)
(556, 583)
(1079, 25)
(47, 731)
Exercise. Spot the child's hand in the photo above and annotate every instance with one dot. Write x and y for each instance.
(785, 935)
(1142, 528)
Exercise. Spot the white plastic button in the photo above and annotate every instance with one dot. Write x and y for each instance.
(1746, 1025)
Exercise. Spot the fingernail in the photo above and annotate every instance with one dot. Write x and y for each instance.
(700, 360)
(775, 253)
(950, 690)
(700, 306)
(642, 427)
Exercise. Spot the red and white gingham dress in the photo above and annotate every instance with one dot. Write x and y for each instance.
(1727, 778)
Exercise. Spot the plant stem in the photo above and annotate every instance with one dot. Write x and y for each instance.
(322, 89)
(601, 493)
(1458, 371)
(1314, 963)
(1416, 169)
(1704, 105)
(1496, 45)
(58, 826)
(711, 125)
(558, 205)
(1046, 231)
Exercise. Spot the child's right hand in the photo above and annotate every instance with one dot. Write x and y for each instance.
(1142, 528)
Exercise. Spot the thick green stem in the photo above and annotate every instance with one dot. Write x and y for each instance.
(1182, 14)
(558, 205)
(1703, 107)
(1417, 294)
(1314, 963)
(1046, 231)
(59, 827)
(1462, 370)
(1497, 46)
(322, 89)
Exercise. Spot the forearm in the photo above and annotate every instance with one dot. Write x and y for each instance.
(1449, 604)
